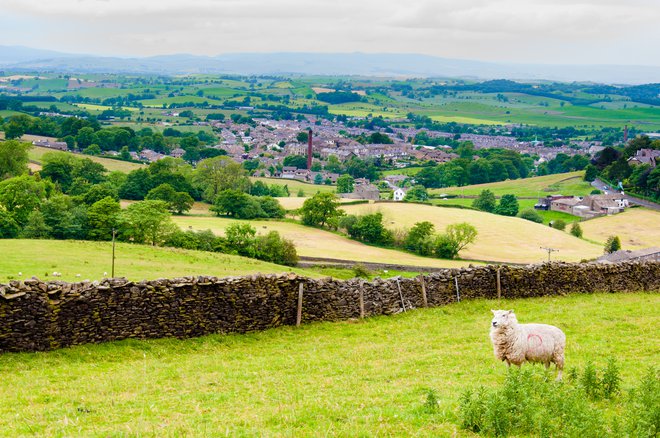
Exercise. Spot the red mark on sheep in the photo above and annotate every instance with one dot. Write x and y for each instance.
(535, 340)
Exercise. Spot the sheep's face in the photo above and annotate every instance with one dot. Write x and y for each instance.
(503, 318)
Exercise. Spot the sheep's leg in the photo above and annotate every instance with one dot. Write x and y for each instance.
(559, 362)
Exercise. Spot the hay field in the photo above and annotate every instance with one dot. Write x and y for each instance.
(500, 238)
(636, 227)
(313, 242)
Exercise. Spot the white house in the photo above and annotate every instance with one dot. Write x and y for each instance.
(399, 194)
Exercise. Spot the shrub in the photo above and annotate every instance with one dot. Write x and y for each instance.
(643, 412)
(612, 244)
(361, 271)
(576, 230)
(531, 215)
(559, 224)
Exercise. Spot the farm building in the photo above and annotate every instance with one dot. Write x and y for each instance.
(399, 194)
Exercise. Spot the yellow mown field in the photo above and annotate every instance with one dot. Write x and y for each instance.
(500, 238)
(636, 227)
(312, 242)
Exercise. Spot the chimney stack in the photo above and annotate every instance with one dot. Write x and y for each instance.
(309, 149)
(625, 134)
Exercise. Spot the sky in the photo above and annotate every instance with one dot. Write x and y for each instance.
(623, 32)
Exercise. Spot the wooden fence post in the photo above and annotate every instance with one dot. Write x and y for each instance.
(398, 284)
(361, 299)
(300, 299)
(458, 294)
(499, 284)
(424, 299)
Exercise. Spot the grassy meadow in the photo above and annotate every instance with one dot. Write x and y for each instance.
(500, 238)
(349, 378)
(563, 183)
(295, 186)
(93, 261)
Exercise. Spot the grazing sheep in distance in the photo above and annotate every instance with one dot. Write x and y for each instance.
(518, 343)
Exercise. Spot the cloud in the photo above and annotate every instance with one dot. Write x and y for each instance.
(554, 31)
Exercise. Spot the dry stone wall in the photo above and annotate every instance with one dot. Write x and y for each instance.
(38, 316)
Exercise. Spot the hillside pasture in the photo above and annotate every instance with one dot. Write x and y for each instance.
(36, 154)
(500, 238)
(348, 378)
(295, 185)
(571, 183)
(637, 228)
(314, 242)
(91, 260)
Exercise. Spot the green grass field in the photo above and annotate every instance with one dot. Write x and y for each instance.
(91, 260)
(523, 204)
(538, 187)
(295, 185)
(350, 378)
(36, 154)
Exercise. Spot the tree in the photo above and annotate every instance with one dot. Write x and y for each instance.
(59, 168)
(146, 222)
(230, 202)
(321, 208)
(102, 217)
(590, 173)
(345, 184)
(85, 137)
(13, 158)
(177, 202)
(9, 229)
(333, 164)
(485, 202)
(214, 175)
(273, 248)
(297, 161)
(21, 195)
(93, 149)
(302, 137)
(17, 126)
(36, 227)
(508, 206)
(271, 207)
(531, 215)
(136, 185)
(576, 230)
(612, 244)
(418, 237)
(318, 179)
(417, 193)
(462, 234)
(241, 238)
(369, 228)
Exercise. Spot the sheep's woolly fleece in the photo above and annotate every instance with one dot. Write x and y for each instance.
(519, 343)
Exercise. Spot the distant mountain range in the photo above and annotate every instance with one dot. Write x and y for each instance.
(18, 58)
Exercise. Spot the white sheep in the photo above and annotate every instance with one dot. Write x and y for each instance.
(518, 343)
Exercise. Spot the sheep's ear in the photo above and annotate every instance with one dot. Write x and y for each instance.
(509, 312)
(494, 311)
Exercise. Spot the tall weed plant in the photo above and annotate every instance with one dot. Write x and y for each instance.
(529, 402)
